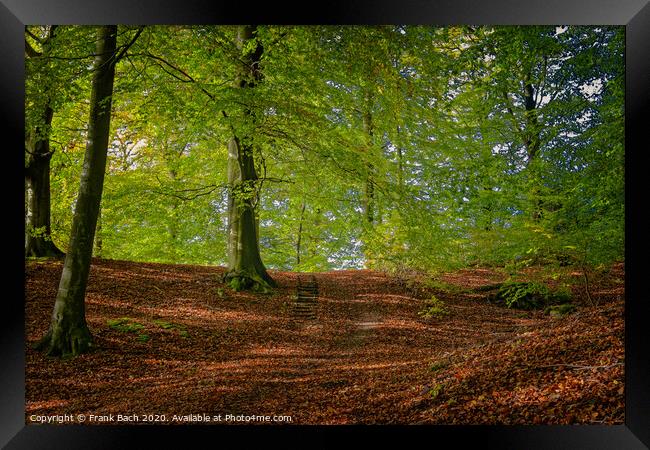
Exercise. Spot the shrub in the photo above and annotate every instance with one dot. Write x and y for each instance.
(528, 295)
(435, 308)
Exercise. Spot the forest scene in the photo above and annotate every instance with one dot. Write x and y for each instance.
(271, 224)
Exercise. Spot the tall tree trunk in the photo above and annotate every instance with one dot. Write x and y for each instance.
(245, 267)
(489, 217)
(172, 226)
(533, 143)
(400, 164)
(38, 232)
(369, 211)
(530, 136)
(69, 333)
(369, 194)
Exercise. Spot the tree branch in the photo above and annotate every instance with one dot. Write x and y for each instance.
(33, 36)
(126, 47)
(30, 51)
(512, 113)
(181, 71)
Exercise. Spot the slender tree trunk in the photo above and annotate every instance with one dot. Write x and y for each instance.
(488, 211)
(233, 213)
(369, 211)
(299, 238)
(69, 333)
(245, 267)
(533, 143)
(369, 194)
(172, 226)
(530, 135)
(400, 164)
(38, 232)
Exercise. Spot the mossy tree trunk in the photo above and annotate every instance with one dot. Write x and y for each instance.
(245, 267)
(69, 333)
(38, 233)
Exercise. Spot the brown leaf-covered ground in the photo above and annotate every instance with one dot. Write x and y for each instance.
(202, 349)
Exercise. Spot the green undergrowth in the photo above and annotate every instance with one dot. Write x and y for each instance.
(129, 325)
(182, 331)
(434, 309)
(125, 325)
(528, 295)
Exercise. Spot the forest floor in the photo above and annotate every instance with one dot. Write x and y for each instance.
(172, 340)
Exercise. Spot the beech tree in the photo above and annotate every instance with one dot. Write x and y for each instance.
(69, 333)
(38, 232)
(245, 266)
(313, 148)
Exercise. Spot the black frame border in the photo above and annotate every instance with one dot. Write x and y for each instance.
(633, 14)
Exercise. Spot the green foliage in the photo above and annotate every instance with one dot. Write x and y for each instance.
(39, 232)
(448, 155)
(528, 295)
(434, 308)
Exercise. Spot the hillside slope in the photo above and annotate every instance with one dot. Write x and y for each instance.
(173, 340)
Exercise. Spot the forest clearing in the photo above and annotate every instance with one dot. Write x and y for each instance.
(193, 346)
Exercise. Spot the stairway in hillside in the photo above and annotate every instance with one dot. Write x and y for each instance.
(306, 302)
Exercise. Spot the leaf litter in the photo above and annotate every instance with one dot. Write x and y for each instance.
(193, 346)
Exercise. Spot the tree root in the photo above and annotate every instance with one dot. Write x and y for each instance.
(66, 343)
(247, 281)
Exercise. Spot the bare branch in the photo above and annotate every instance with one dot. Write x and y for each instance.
(178, 193)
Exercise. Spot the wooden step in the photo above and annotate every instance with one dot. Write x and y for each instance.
(304, 308)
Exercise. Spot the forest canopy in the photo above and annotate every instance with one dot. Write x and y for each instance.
(385, 147)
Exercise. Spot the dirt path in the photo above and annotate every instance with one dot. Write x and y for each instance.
(367, 358)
